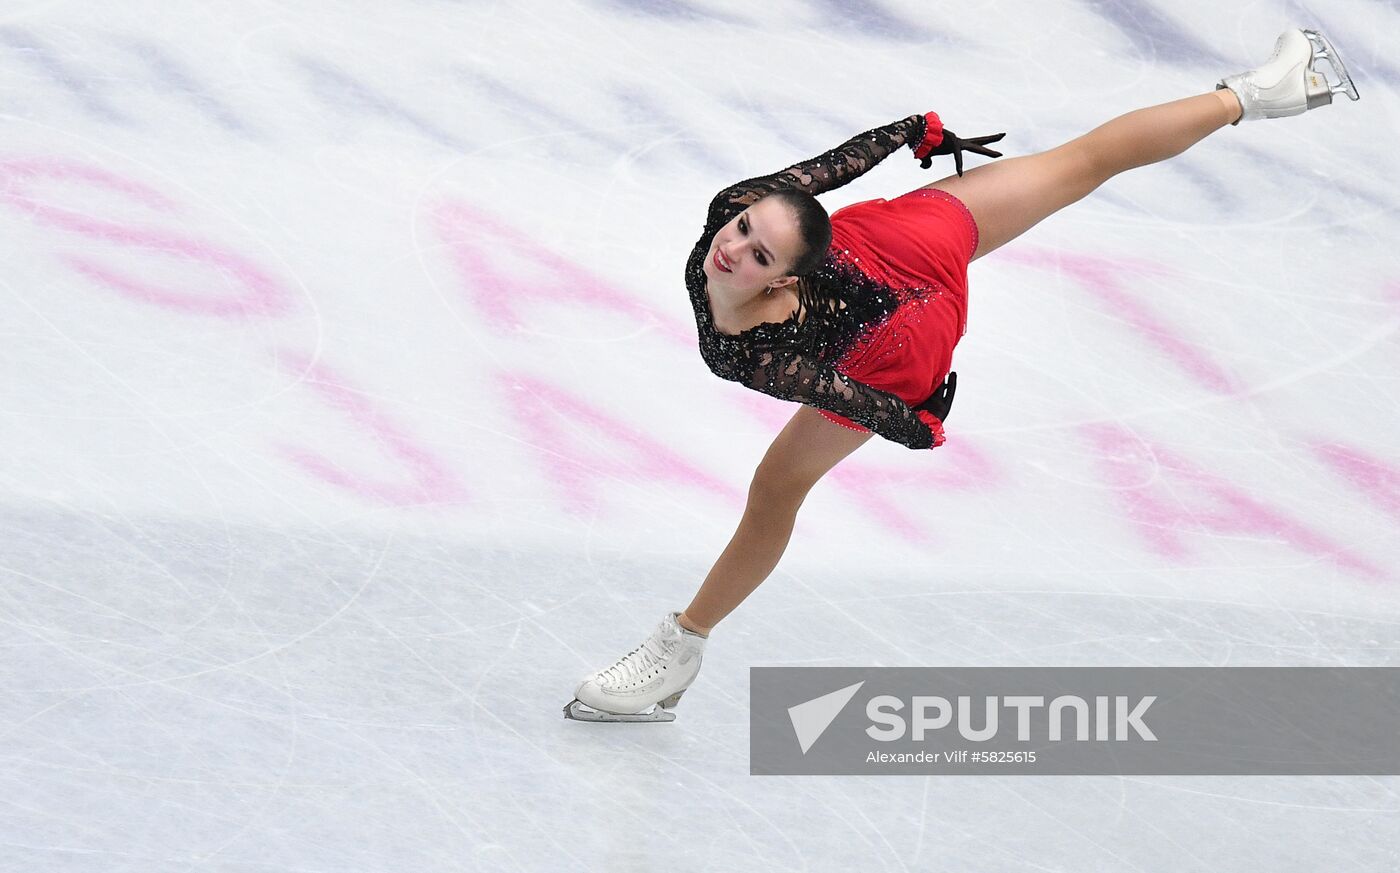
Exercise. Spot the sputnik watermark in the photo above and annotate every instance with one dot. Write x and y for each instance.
(890, 725)
(1078, 720)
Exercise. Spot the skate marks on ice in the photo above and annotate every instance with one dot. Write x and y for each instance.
(390, 694)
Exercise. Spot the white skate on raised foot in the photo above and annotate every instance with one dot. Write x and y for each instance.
(1290, 83)
(645, 684)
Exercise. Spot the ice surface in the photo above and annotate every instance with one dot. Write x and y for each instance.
(350, 411)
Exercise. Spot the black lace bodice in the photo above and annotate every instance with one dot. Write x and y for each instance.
(795, 359)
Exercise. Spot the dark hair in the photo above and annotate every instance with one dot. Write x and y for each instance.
(813, 228)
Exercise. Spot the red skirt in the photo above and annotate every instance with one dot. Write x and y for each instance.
(926, 238)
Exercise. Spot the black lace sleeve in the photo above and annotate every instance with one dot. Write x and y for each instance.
(823, 173)
(793, 375)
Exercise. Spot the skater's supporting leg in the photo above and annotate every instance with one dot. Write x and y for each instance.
(806, 449)
(1012, 195)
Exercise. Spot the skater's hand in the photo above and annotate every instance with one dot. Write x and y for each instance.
(955, 146)
(942, 399)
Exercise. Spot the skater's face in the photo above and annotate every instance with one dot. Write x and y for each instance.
(755, 250)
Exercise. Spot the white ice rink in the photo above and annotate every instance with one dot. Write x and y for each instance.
(350, 411)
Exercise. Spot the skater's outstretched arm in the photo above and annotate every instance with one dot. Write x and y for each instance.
(794, 375)
(830, 169)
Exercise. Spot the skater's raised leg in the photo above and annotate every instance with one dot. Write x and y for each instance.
(1012, 195)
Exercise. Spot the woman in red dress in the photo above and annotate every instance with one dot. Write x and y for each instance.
(856, 316)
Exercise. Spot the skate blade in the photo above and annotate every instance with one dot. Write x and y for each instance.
(579, 711)
(1323, 48)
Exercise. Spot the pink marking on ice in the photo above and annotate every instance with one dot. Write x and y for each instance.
(1107, 278)
(473, 236)
(569, 437)
(16, 172)
(431, 482)
(263, 295)
(1138, 470)
(910, 502)
(1377, 479)
(1392, 292)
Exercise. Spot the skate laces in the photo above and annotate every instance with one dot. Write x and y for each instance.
(638, 661)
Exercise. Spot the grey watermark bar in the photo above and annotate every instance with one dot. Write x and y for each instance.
(1075, 720)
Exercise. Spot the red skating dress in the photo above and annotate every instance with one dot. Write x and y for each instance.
(874, 331)
(925, 239)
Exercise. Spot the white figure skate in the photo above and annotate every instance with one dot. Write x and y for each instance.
(644, 684)
(1290, 83)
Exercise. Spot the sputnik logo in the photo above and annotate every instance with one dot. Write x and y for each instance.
(811, 719)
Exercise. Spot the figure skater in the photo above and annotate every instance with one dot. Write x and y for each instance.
(856, 316)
